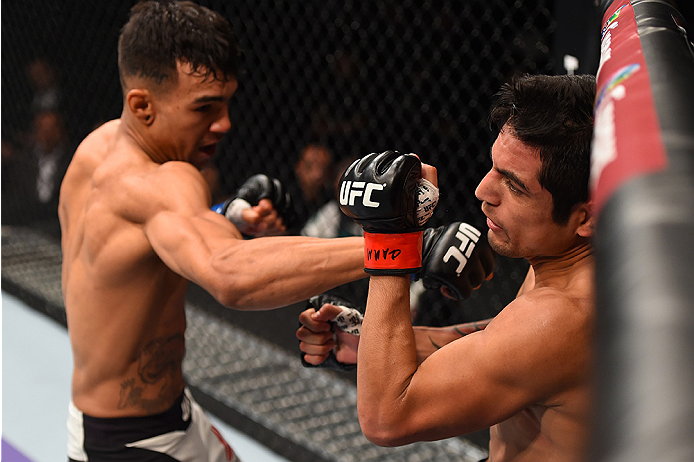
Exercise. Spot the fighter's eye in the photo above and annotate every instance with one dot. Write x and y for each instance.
(512, 187)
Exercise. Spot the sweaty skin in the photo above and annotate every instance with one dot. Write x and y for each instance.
(137, 227)
(527, 374)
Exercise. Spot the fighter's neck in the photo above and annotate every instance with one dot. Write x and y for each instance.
(570, 262)
(134, 136)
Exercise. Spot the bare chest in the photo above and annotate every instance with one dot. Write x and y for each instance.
(541, 433)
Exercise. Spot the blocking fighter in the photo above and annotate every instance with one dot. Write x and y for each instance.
(526, 374)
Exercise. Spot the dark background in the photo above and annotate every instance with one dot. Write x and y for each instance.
(357, 77)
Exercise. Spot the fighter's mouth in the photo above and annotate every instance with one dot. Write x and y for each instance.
(209, 149)
(493, 226)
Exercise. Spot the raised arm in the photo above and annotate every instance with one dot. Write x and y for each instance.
(476, 381)
(470, 383)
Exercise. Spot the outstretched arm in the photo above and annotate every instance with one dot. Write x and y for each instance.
(203, 247)
(521, 358)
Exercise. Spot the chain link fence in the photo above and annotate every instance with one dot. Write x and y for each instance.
(355, 77)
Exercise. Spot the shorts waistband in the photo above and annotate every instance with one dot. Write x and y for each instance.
(122, 430)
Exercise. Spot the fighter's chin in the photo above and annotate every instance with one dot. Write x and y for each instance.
(501, 248)
(496, 246)
(204, 162)
(200, 159)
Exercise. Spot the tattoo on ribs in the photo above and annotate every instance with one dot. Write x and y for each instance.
(159, 362)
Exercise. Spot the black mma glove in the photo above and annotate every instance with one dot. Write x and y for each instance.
(250, 193)
(386, 196)
(456, 256)
(348, 321)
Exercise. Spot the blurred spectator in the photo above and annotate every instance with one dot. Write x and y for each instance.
(329, 221)
(9, 153)
(31, 175)
(43, 79)
(313, 185)
(36, 89)
(42, 93)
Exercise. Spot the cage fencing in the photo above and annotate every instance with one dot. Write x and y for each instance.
(355, 77)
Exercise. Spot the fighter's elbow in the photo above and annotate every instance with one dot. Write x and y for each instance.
(228, 299)
(232, 294)
(380, 439)
(242, 301)
(245, 293)
(386, 437)
(382, 430)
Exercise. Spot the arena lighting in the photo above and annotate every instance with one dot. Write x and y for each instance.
(642, 182)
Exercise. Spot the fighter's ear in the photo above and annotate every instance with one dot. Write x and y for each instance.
(139, 102)
(586, 217)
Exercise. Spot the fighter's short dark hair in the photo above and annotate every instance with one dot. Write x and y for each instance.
(555, 115)
(161, 33)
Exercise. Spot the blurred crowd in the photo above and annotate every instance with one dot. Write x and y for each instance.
(36, 154)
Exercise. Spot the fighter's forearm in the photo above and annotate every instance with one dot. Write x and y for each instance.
(277, 271)
(387, 358)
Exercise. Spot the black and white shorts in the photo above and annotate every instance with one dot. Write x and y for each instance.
(183, 433)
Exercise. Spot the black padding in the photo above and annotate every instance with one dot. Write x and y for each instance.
(644, 247)
(644, 407)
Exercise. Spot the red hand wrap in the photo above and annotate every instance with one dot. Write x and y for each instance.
(393, 253)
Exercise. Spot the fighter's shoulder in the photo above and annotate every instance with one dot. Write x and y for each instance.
(544, 329)
(173, 186)
(549, 309)
(176, 178)
(138, 195)
(138, 190)
(97, 142)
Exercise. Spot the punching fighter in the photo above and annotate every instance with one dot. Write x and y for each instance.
(137, 227)
(526, 375)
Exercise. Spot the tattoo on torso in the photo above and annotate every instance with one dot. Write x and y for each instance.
(158, 367)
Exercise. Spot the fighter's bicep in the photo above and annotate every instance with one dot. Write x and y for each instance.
(466, 385)
(485, 377)
(178, 241)
(182, 229)
(185, 237)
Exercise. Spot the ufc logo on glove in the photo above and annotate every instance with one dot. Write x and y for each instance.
(350, 190)
(395, 203)
(468, 237)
